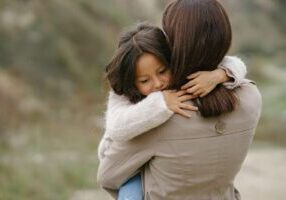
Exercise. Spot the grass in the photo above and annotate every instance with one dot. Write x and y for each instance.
(48, 160)
(26, 179)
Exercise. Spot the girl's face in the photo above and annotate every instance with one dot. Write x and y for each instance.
(151, 74)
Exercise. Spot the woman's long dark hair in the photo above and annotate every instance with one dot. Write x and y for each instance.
(120, 72)
(199, 34)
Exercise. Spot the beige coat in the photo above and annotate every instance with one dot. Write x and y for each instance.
(187, 159)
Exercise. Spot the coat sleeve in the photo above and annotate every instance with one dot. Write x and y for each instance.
(235, 69)
(124, 159)
(125, 120)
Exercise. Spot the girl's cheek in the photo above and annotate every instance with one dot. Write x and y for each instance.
(169, 75)
(144, 90)
(169, 78)
(148, 90)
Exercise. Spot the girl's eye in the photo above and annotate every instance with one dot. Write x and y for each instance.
(143, 81)
(163, 71)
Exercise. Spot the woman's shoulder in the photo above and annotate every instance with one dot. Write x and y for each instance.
(249, 88)
(249, 96)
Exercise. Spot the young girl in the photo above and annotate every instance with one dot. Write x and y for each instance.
(139, 75)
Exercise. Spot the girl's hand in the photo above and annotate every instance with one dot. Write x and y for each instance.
(175, 99)
(203, 82)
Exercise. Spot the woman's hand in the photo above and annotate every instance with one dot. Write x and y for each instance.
(175, 99)
(203, 82)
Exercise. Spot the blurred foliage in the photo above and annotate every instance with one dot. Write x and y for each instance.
(52, 56)
(56, 51)
(259, 29)
(52, 91)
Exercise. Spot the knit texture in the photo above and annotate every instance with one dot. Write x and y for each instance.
(236, 69)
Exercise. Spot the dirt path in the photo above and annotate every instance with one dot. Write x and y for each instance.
(262, 177)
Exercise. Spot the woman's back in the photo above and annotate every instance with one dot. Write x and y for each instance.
(198, 158)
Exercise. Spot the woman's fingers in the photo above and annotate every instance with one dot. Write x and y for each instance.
(188, 107)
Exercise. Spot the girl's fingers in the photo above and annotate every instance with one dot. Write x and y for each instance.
(183, 113)
(198, 92)
(189, 84)
(193, 89)
(170, 91)
(186, 97)
(181, 93)
(194, 75)
(204, 94)
(188, 107)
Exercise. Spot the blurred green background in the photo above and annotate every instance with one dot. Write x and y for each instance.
(53, 93)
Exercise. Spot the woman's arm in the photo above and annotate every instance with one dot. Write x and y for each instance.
(124, 159)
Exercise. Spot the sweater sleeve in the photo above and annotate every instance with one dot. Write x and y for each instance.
(235, 68)
(125, 120)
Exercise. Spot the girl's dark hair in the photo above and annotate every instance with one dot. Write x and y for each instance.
(120, 72)
(199, 34)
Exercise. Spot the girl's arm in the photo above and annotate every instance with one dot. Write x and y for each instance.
(231, 73)
(125, 120)
(235, 69)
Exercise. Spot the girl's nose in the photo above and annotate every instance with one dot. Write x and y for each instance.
(158, 84)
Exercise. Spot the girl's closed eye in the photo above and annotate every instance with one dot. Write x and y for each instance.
(143, 81)
(162, 71)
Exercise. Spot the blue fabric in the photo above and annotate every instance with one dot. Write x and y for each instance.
(132, 189)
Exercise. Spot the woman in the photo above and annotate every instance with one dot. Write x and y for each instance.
(196, 158)
(139, 75)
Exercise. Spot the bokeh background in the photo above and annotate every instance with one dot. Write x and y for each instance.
(53, 93)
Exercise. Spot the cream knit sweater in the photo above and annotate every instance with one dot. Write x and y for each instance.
(125, 120)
